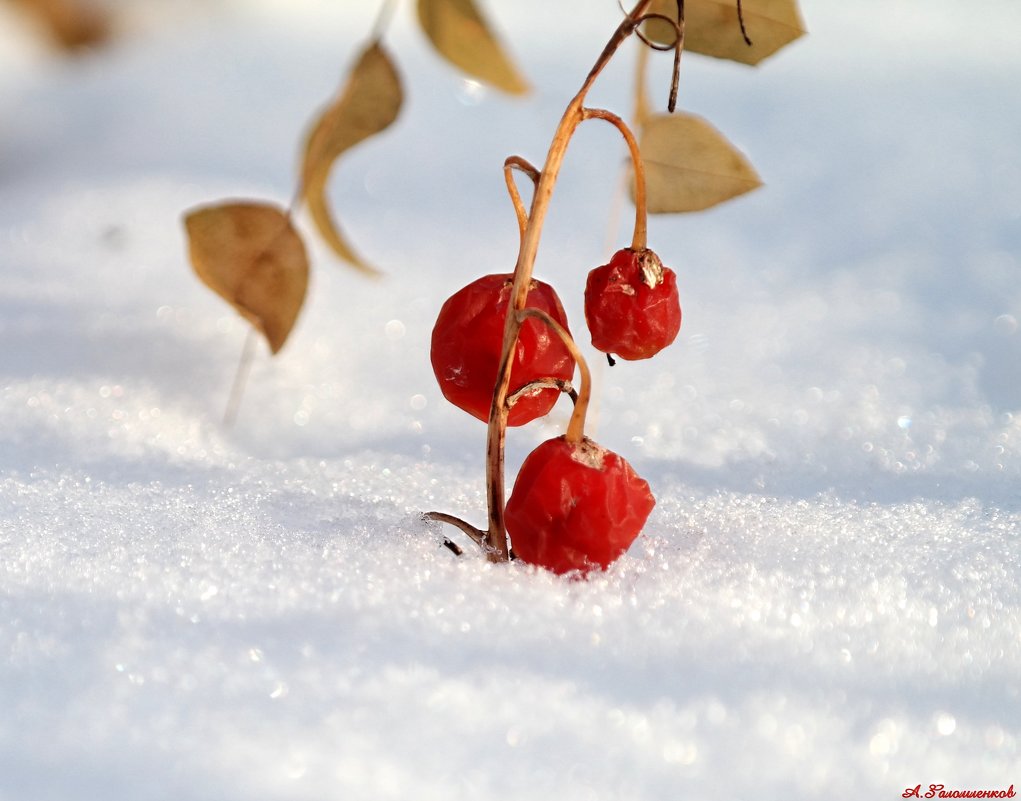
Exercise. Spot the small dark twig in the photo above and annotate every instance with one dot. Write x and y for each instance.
(610, 360)
(671, 104)
(677, 46)
(678, 49)
(740, 19)
(662, 47)
(476, 535)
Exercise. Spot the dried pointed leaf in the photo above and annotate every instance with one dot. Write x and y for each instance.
(459, 33)
(711, 27)
(250, 255)
(329, 229)
(73, 24)
(367, 105)
(689, 166)
(643, 108)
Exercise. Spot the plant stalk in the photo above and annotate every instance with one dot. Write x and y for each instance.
(498, 547)
(237, 389)
(639, 238)
(576, 428)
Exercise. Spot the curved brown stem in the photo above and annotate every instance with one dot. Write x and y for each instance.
(518, 163)
(576, 428)
(640, 236)
(657, 45)
(543, 383)
(474, 534)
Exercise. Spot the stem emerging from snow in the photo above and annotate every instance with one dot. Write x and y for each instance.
(240, 378)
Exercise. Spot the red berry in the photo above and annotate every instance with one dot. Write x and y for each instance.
(468, 337)
(575, 506)
(631, 305)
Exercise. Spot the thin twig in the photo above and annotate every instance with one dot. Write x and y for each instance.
(522, 165)
(576, 427)
(676, 78)
(677, 46)
(240, 378)
(476, 535)
(543, 383)
(640, 235)
(661, 46)
(740, 20)
(386, 13)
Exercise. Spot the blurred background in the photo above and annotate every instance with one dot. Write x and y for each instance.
(859, 311)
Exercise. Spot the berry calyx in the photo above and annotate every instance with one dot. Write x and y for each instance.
(631, 305)
(467, 341)
(575, 506)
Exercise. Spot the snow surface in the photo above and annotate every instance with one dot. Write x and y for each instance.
(826, 600)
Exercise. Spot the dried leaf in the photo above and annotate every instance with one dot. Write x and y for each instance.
(367, 105)
(689, 166)
(250, 255)
(460, 34)
(73, 24)
(643, 107)
(711, 27)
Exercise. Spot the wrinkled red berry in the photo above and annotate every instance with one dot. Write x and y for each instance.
(575, 506)
(631, 305)
(468, 337)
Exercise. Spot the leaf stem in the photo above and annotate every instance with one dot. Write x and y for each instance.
(518, 163)
(386, 13)
(475, 535)
(640, 236)
(575, 428)
(559, 384)
(237, 389)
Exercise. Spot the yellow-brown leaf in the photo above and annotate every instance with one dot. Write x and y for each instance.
(73, 24)
(367, 105)
(689, 166)
(250, 255)
(461, 35)
(711, 27)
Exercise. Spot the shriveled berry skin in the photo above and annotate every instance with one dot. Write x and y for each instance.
(631, 305)
(575, 507)
(468, 337)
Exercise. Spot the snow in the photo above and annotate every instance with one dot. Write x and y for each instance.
(826, 599)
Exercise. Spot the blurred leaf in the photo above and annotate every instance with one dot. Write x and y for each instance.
(460, 34)
(367, 105)
(689, 166)
(72, 23)
(711, 27)
(643, 107)
(250, 255)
